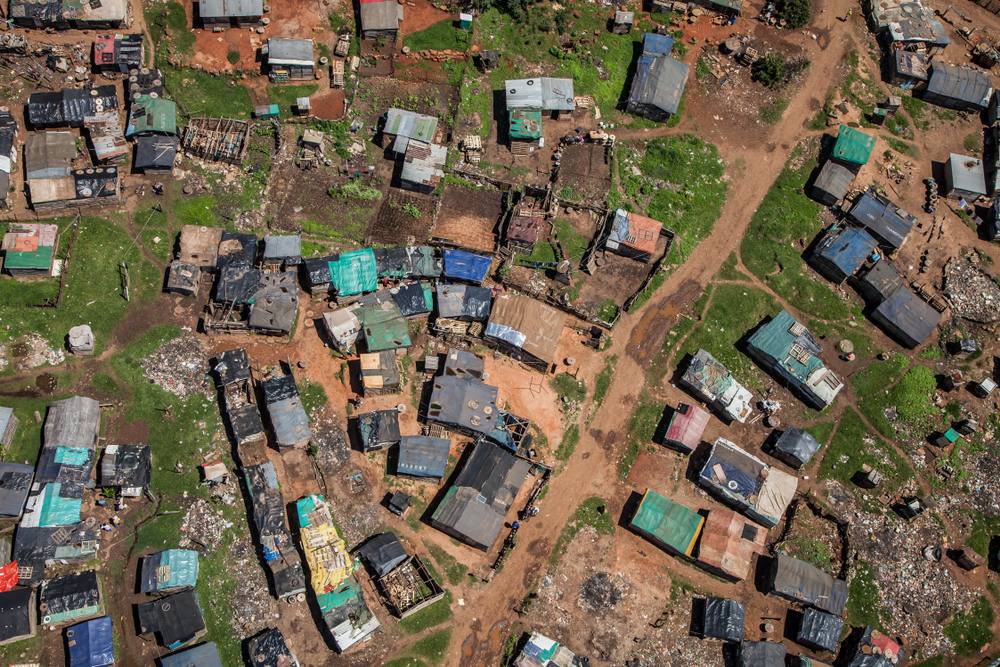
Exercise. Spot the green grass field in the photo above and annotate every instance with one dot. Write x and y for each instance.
(442, 36)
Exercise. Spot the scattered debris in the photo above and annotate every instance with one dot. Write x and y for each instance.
(179, 367)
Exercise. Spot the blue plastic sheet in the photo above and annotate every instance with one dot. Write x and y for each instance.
(90, 643)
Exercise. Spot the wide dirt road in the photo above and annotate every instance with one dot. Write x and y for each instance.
(638, 337)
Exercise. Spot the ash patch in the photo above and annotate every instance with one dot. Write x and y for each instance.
(203, 525)
(334, 449)
(973, 294)
(180, 367)
(599, 593)
(251, 603)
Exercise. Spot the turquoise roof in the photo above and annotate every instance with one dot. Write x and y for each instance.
(775, 340)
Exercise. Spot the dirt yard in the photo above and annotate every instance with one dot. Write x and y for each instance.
(469, 217)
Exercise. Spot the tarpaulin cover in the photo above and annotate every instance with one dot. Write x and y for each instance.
(236, 250)
(45, 110)
(279, 389)
(540, 650)
(733, 472)
(155, 152)
(287, 248)
(762, 654)
(276, 303)
(90, 643)
(659, 81)
(350, 620)
(245, 422)
(853, 146)
(384, 327)
(709, 380)
(842, 251)
(510, 431)
(907, 317)
(383, 553)
(686, 427)
(775, 494)
(527, 324)
(461, 363)
(425, 262)
(17, 610)
(423, 456)
(724, 619)
(820, 630)
(464, 302)
(668, 523)
(884, 656)
(33, 546)
(57, 510)
(343, 327)
(391, 262)
(64, 464)
(290, 422)
(410, 299)
(320, 538)
(796, 446)
(164, 570)
(475, 507)
(203, 655)
(882, 219)
(8, 576)
(801, 581)
(317, 270)
(379, 429)
(238, 283)
(70, 596)
(177, 618)
(15, 481)
(183, 278)
(268, 506)
(354, 272)
(461, 265)
(232, 366)
(268, 649)
(72, 422)
(127, 466)
(78, 104)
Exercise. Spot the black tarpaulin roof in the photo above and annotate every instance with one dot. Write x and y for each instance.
(410, 299)
(129, 466)
(71, 592)
(762, 654)
(317, 271)
(16, 612)
(268, 649)
(383, 553)
(801, 581)
(724, 619)
(820, 630)
(246, 422)
(155, 152)
(237, 250)
(176, 618)
(797, 444)
(279, 389)
(15, 481)
(379, 428)
(45, 109)
(33, 545)
(232, 366)
(238, 283)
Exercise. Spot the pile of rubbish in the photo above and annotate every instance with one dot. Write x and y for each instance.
(984, 473)
(358, 516)
(334, 450)
(179, 366)
(253, 607)
(203, 526)
(32, 351)
(973, 294)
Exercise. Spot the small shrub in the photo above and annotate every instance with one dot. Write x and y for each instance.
(795, 12)
(771, 70)
(233, 57)
(412, 210)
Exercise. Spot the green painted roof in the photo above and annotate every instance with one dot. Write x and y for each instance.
(525, 123)
(668, 522)
(384, 327)
(39, 259)
(152, 114)
(354, 272)
(853, 146)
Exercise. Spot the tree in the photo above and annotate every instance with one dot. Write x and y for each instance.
(795, 12)
(771, 69)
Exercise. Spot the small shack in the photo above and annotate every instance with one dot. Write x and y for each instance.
(118, 53)
(378, 429)
(353, 273)
(151, 115)
(687, 423)
(168, 572)
(832, 183)
(199, 246)
(127, 468)
(8, 149)
(743, 481)
(155, 154)
(423, 167)
(540, 650)
(633, 236)
(467, 303)
(177, 619)
(907, 318)
(527, 329)
(225, 13)
(958, 87)
(853, 148)
(724, 620)
(728, 543)
(288, 418)
(406, 125)
(15, 482)
(30, 248)
(290, 60)
(463, 405)
(669, 525)
(203, 655)
(842, 251)
(659, 80)
(380, 374)
(545, 95)
(909, 69)
(17, 615)
(384, 327)
(383, 553)
(819, 630)
(70, 598)
(795, 447)
(380, 19)
(423, 458)
(8, 425)
(964, 178)
(343, 328)
(803, 583)
(762, 654)
(880, 282)
(874, 644)
(66, 14)
(623, 23)
(709, 381)
(473, 510)
(466, 267)
(283, 251)
(90, 644)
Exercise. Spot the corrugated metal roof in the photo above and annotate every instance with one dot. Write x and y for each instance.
(411, 125)
(380, 15)
(846, 249)
(660, 82)
(833, 180)
(883, 219)
(540, 93)
(967, 173)
(656, 45)
(728, 542)
(960, 83)
(230, 8)
(463, 402)
(282, 51)
(527, 324)
(908, 317)
(424, 164)
(423, 456)
(49, 154)
(635, 231)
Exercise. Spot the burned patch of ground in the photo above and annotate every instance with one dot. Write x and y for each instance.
(599, 593)
(404, 218)
(468, 216)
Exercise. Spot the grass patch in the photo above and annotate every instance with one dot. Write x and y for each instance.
(428, 617)
(821, 431)
(728, 270)
(453, 570)
(200, 94)
(936, 661)
(983, 529)
(854, 445)
(608, 311)
(104, 383)
(477, 97)
(972, 143)
(573, 243)
(565, 385)
(406, 662)
(586, 514)
(641, 427)
(285, 96)
(441, 36)
(931, 353)
(603, 380)
(811, 551)
(568, 444)
(172, 15)
(313, 396)
(864, 604)
(879, 375)
(434, 647)
(902, 147)
(910, 398)
(769, 251)
(413, 520)
(769, 114)
(970, 632)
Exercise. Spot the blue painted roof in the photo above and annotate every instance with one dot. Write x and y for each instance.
(466, 266)
(423, 456)
(847, 248)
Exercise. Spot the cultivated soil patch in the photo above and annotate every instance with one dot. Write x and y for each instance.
(586, 169)
(468, 216)
(396, 223)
